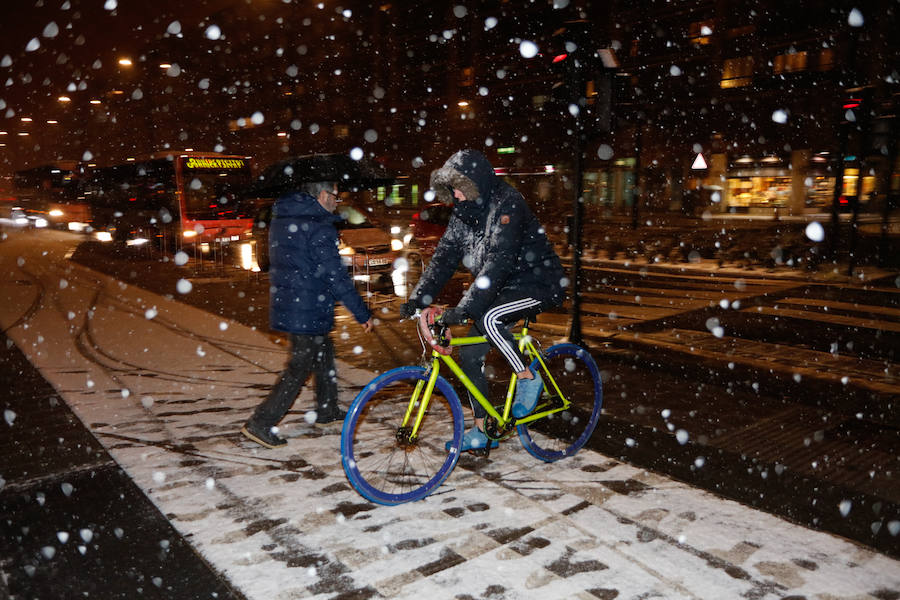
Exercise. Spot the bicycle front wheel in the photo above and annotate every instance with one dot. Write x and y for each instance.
(381, 461)
(577, 379)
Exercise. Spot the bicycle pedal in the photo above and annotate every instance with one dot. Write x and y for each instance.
(481, 452)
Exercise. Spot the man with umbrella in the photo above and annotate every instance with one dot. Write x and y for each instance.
(306, 278)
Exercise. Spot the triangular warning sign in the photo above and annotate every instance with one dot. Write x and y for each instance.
(699, 163)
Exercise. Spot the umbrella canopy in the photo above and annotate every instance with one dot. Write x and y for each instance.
(286, 175)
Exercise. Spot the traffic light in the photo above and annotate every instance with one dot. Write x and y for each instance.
(569, 47)
(582, 68)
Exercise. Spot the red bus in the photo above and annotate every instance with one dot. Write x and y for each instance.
(172, 200)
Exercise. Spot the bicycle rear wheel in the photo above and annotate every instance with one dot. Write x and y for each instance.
(562, 434)
(380, 460)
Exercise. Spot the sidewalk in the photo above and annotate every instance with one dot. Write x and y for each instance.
(285, 524)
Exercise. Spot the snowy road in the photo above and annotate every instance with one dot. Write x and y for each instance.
(165, 388)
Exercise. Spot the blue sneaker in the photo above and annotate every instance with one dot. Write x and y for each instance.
(473, 439)
(527, 393)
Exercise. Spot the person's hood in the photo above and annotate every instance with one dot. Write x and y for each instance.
(302, 205)
(468, 171)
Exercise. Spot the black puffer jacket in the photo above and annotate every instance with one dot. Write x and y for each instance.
(495, 236)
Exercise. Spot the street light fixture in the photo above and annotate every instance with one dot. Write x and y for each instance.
(64, 99)
(125, 62)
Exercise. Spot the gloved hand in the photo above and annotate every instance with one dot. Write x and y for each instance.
(453, 316)
(408, 309)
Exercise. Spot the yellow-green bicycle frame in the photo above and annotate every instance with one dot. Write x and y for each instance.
(416, 410)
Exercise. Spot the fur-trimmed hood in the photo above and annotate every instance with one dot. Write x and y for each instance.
(468, 171)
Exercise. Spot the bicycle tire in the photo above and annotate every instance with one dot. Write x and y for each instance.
(562, 434)
(385, 470)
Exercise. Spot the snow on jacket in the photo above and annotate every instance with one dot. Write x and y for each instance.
(306, 273)
(495, 236)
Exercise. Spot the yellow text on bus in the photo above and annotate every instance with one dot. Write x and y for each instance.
(214, 163)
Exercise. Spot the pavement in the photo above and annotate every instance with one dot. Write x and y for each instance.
(113, 490)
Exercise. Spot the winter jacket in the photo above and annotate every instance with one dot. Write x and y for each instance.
(495, 236)
(306, 274)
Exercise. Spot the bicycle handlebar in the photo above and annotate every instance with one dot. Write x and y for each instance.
(434, 332)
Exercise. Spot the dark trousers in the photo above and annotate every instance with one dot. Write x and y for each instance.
(507, 308)
(309, 354)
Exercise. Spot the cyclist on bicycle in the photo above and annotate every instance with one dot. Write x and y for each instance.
(516, 273)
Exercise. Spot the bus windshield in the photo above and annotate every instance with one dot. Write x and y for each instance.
(213, 194)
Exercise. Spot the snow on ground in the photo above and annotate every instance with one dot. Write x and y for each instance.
(166, 387)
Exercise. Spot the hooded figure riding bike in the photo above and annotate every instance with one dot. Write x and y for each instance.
(516, 274)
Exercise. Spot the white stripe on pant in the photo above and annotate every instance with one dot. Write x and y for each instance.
(492, 318)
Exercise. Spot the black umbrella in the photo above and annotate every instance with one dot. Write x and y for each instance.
(287, 175)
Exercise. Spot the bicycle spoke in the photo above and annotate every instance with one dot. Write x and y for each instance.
(389, 468)
(576, 377)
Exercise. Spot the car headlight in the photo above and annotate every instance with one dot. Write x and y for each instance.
(346, 251)
(396, 245)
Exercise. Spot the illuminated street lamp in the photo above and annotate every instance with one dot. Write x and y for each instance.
(125, 62)
(64, 99)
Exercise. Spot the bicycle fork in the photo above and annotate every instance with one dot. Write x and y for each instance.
(408, 433)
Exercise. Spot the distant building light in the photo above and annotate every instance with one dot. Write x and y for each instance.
(4, 133)
(463, 103)
(23, 133)
(282, 134)
(165, 65)
(26, 119)
(52, 122)
(64, 99)
(125, 62)
(506, 150)
(95, 102)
